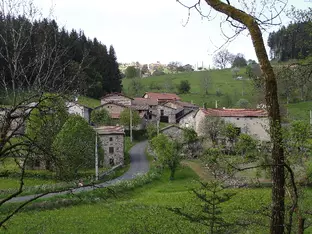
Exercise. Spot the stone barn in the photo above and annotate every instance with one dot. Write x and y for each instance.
(112, 139)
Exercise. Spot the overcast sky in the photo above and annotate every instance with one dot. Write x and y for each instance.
(152, 30)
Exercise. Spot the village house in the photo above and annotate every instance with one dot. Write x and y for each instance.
(112, 139)
(78, 109)
(254, 122)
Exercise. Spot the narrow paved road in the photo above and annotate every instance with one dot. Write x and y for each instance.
(139, 165)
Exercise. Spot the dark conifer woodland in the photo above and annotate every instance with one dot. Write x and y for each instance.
(291, 42)
(74, 51)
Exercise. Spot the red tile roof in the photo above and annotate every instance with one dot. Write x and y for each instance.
(235, 112)
(162, 96)
(103, 130)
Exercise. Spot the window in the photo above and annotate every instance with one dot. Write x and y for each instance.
(111, 150)
(110, 139)
(162, 112)
(237, 118)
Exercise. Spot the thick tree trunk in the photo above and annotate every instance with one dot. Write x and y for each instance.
(271, 96)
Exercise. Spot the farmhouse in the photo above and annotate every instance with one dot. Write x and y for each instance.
(113, 142)
(254, 122)
(78, 109)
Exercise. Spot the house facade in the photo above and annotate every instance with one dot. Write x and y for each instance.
(116, 98)
(112, 140)
(254, 122)
(78, 109)
(187, 120)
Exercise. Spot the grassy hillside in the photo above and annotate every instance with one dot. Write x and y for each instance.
(223, 87)
(299, 111)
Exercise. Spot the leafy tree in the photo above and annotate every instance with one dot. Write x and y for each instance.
(246, 145)
(125, 118)
(44, 123)
(168, 152)
(136, 87)
(100, 117)
(151, 131)
(206, 82)
(223, 58)
(173, 66)
(231, 133)
(184, 86)
(244, 16)
(239, 61)
(74, 147)
(131, 72)
(145, 69)
(243, 103)
(300, 132)
(189, 135)
(212, 127)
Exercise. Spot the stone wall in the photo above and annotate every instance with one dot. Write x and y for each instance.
(173, 132)
(115, 142)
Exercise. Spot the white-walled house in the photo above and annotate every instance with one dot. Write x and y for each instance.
(78, 109)
(254, 122)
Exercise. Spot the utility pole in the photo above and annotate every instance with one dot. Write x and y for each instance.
(157, 125)
(131, 138)
(96, 159)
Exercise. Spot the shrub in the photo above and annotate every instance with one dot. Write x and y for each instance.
(184, 86)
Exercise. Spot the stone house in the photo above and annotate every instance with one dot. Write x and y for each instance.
(152, 105)
(78, 109)
(254, 122)
(116, 98)
(112, 139)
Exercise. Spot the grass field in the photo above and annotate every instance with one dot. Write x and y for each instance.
(142, 210)
(299, 111)
(221, 81)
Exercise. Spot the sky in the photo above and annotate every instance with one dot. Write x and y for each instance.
(148, 31)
